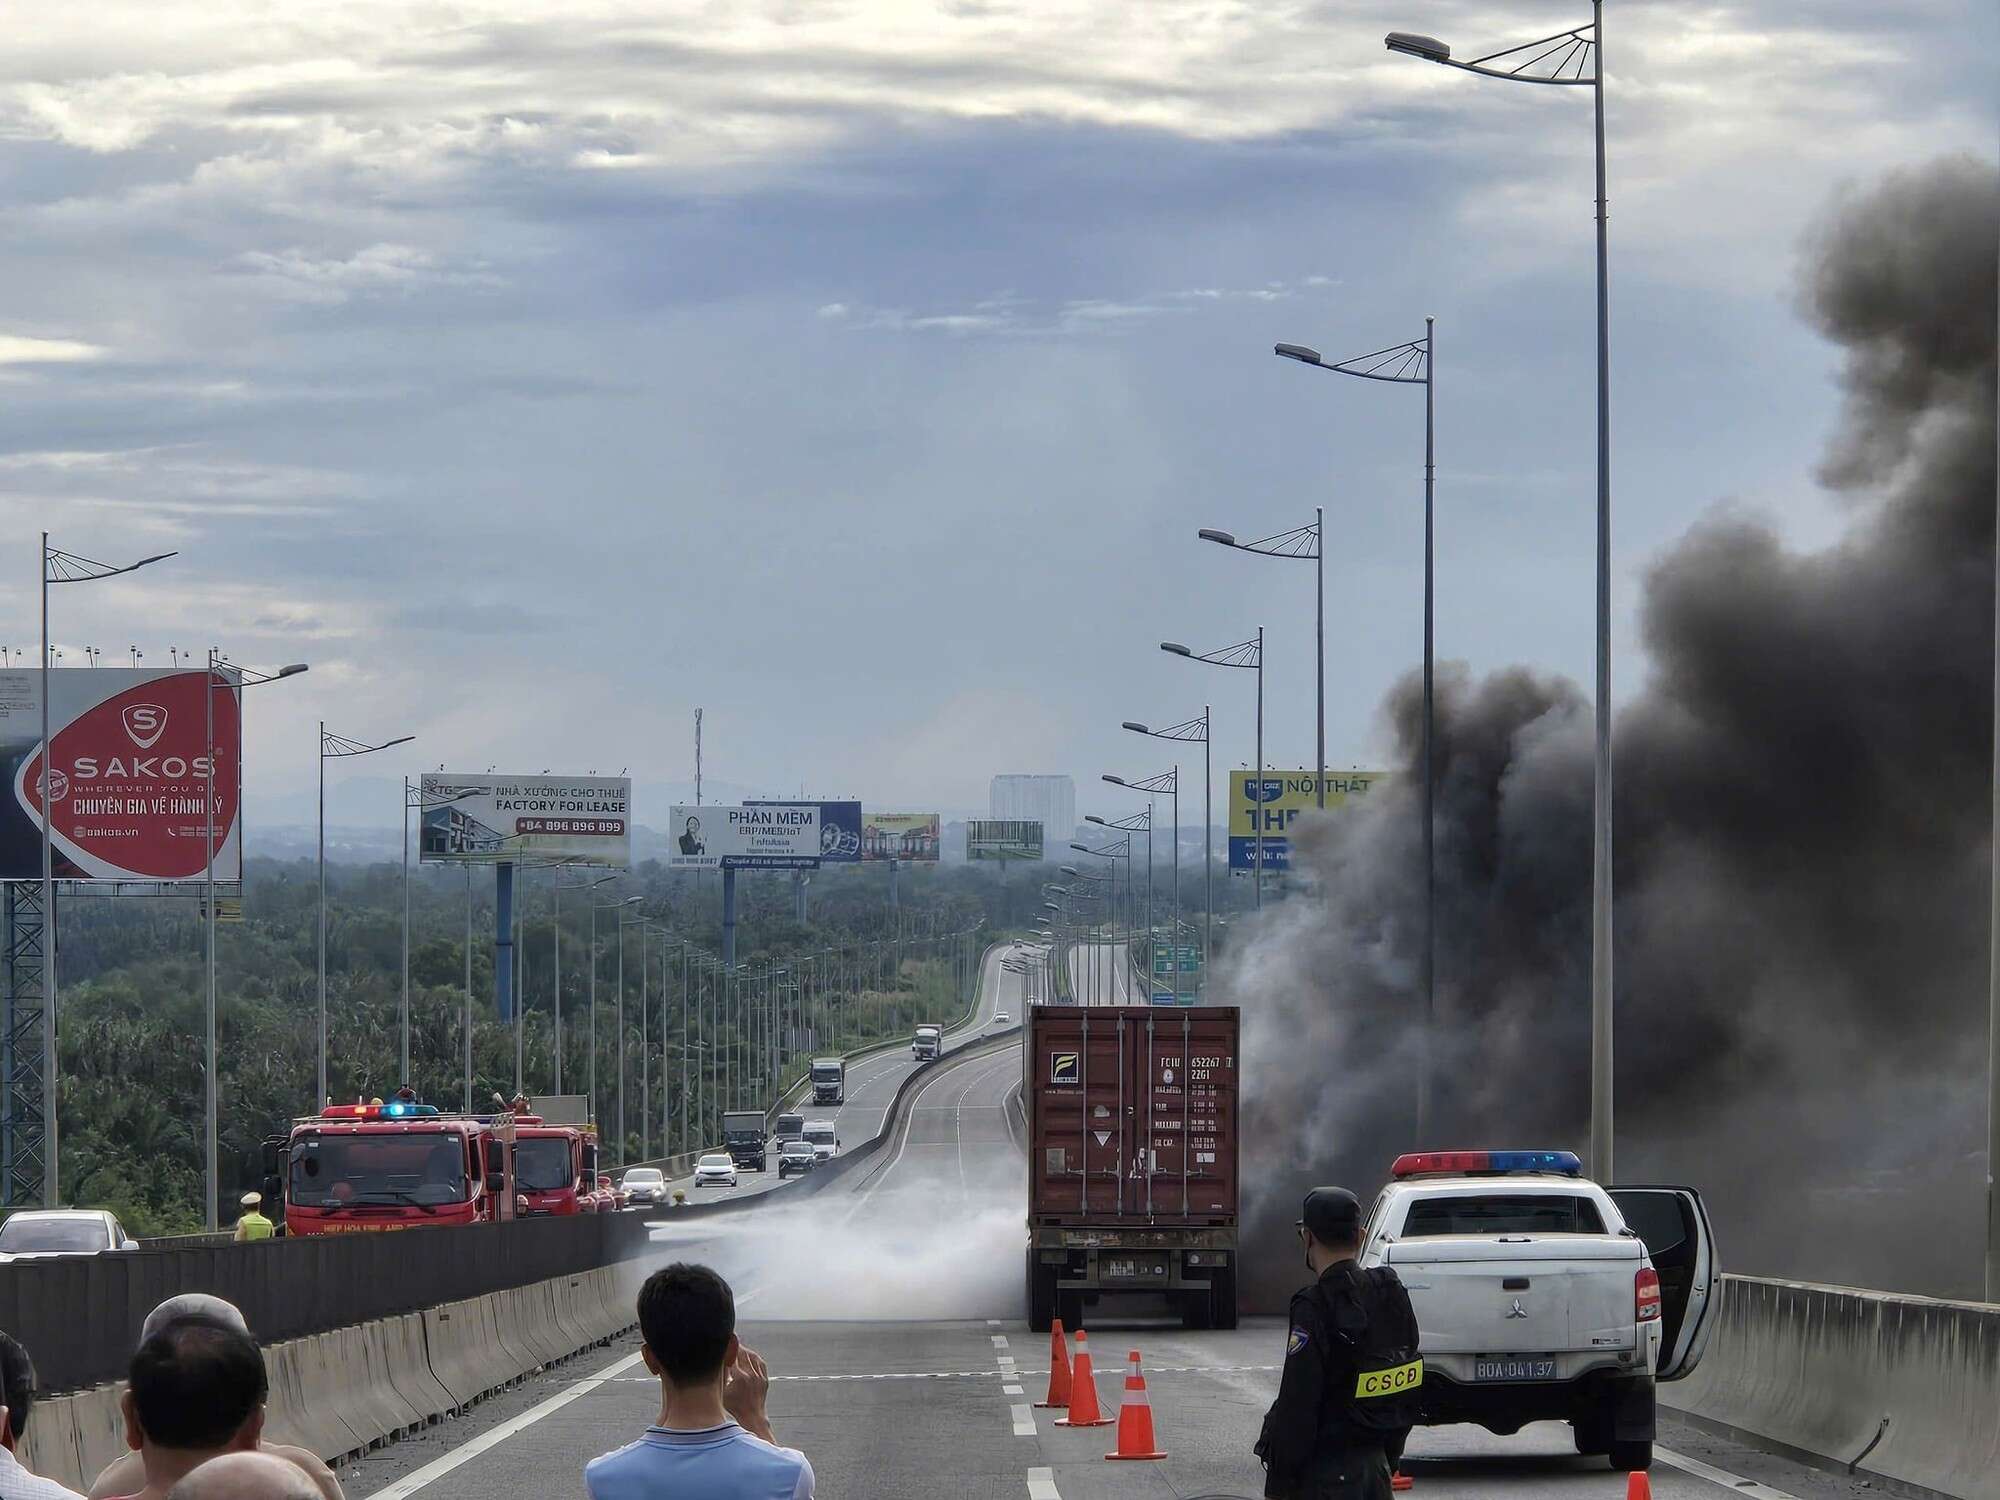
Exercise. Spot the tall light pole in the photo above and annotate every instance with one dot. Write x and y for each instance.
(1306, 542)
(588, 885)
(58, 567)
(1168, 781)
(618, 1018)
(1135, 823)
(333, 747)
(1411, 363)
(467, 1027)
(594, 910)
(1562, 60)
(1191, 730)
(238, 678)
(1247, 656)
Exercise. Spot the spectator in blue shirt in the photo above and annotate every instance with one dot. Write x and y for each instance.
(712, 1441)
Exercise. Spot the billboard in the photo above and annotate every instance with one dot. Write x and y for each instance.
(496, 819)
(128, 792)
(1276, 799)
(903, 836)
(784, 836)
(995, 838)
(839, 829)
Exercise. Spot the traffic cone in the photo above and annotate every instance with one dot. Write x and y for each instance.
(1083, 1408)
(1135, 1416)
(1638, 1486)
(1398, 1480)
(1058, 1369)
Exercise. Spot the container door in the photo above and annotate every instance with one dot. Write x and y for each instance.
(1673, 1223)
(1184, 1114)
(1079, 1144)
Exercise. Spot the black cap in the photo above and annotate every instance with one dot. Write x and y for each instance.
(1332, 1215)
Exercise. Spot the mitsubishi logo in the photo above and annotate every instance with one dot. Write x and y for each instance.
(1517, 1311)
(145, 722)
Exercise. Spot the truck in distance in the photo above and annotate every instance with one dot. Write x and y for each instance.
(829, 1080)
(927, 1043)
(743, 1137)
(1132, 1169)
(1544, 1296)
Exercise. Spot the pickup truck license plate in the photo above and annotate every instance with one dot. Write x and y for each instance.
(1513, 1369)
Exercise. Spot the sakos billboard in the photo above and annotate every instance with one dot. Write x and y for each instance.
(130, 774)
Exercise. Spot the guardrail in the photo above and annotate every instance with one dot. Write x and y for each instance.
(1901, 1388)
(79, 1316)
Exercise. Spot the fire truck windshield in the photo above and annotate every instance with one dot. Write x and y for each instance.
(542, 1164)
(423, 1168)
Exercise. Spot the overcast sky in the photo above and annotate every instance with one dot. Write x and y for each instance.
(860, 370)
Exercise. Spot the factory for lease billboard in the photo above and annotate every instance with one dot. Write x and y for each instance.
(901, 836)
(492, 819)
(131, 769)
(784, 836)
(991, 838)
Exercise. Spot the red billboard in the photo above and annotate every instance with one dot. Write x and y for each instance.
(131, 772)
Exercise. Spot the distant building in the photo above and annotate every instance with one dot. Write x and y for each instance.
(1048, 800)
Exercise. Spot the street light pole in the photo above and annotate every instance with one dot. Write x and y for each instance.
(1560, 60)
(1412, 363)
(1246, 656)
(1196, 729)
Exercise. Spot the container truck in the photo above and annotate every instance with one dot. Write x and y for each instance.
(829, 1080)
(1132, 1161)
(928, 1043)
(743, 1136)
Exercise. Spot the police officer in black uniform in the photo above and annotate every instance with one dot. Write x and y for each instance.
(1348, 1396)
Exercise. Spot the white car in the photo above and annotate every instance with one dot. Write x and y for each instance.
(643, 1185)
(1002, 1018)
(715, 1170)
(33, 1233)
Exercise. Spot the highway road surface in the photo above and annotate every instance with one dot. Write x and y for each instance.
(889, 1308)
(872, 1083)
(1102, 974)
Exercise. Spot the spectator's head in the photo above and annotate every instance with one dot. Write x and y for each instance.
(193, 1305)
(687, 1317)
(17, 1390)
(195, 1389)
(245, 1476)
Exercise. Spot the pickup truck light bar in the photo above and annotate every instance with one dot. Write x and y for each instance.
(1421, 1163)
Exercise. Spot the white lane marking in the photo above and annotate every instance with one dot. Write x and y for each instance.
(1042, 1485)
(1024, 1420)
(999, 1341)
(464, 1453)
(1012, 1390)
(1749, 1488)
(992, 1322)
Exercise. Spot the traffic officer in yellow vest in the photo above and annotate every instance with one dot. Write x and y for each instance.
(253, 1225)
(1349, 1393)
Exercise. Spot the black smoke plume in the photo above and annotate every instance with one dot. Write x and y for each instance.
(1802, 864)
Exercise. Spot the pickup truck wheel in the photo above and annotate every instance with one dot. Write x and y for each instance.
(1632, 1458)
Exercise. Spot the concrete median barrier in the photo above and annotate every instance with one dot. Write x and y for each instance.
(50, 1447)
(408, 1358)
(1901, 1387)
(100, 1430)
(305, 1408)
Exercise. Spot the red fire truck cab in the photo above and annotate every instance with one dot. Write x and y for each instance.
(400, 1165)
(555, 1168)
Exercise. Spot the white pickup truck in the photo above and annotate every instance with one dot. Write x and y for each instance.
(1542, 1296)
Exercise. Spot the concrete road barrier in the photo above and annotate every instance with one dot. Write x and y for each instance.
(408, 1359)
(50, 1446)
(303, 1408)
(99, 1416)
(1903, 1387)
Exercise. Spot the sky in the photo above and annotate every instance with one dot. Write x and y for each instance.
(860, 371)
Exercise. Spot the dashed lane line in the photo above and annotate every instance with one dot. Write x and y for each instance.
(1042, 1485)
(1001, 1374)
(1024, 1420)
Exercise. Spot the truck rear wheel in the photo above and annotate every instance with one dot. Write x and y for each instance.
(1222, 1298)
(1632, 1458)
(1069, 1307)
(1196, 1309)
(1041, 1295)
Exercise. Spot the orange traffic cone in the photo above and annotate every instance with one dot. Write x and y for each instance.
(1638, 1486)
(1398, 1480)
(1058, 1368)
(1083, 1408)
(1135, 1416)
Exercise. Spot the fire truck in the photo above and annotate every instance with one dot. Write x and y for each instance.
(404, 1164)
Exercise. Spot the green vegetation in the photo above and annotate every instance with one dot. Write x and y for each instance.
(134, 979)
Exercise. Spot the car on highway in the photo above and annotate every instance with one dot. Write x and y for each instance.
(1543, 1296)
(643, 1186)
(34, 1233)
(823, 1138)
(715, 1170)
(1002, 1018)
(796, 1158)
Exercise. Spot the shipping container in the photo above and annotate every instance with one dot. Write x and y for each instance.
(1132, 1162)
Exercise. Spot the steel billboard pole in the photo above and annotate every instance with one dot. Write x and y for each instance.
(468, 989)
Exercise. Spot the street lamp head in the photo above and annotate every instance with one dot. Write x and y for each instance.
(1114, 780)
(402, 740)
(1093, 818)
(293, 670)
(1051, 906)
(1176, 648)
(1136, 728)
(1299, 352)
(1081, 848)
(1068, 869)
(1224, 538)
(1429, 48)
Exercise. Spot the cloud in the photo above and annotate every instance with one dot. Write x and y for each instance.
(376, 270)
(21, 349)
